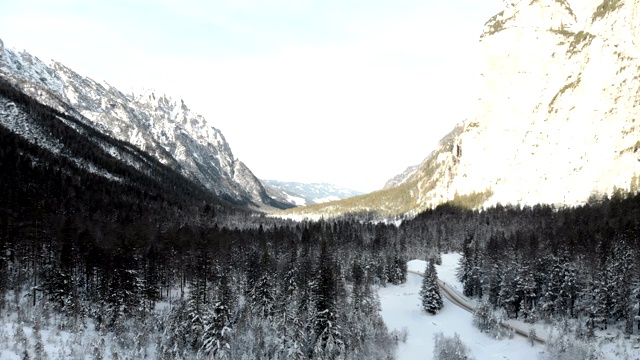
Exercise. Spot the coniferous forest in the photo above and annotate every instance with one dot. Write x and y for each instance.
(163, 269)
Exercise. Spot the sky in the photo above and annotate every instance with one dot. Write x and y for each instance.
(349, 92)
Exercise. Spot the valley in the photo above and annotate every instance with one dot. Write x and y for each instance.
(130, 230)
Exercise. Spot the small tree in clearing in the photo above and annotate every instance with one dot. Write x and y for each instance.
(450, 348)
(429, 292)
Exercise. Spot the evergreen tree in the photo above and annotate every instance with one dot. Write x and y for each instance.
(430, 292)
(446, 348)
(398, 270)
(216, 332)
(526, 288)
(465, 267)
(38, 347)
(328, 342)
(508, 297)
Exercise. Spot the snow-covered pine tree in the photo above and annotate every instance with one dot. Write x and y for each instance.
(470, 269)
(526, 288)
(508, 297)
(216, 328)
(38, 347)
(289, 323)
(328, 342)
(622, 273)
(429, 292)
(450, 348)
(399, 270)
(20, 340)
(493, 258)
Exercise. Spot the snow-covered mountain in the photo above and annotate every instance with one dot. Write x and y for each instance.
(402, 177)
(154, 122)
(556, 120)
(302, 194)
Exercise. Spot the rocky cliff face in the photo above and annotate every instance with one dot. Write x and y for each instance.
(303, 194)
(556, 121)
(161, 126)
(558, 114)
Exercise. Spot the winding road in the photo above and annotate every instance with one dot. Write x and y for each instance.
(460, 301)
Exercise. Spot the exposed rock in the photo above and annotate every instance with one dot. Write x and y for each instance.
(556, 121)
(558, 114)
(302, 194)
(161, 126)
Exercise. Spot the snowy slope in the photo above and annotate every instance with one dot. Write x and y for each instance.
(402, 177)
(556, 117)
(154, 122)
(400, 308)
(302, 194)
(555, 120)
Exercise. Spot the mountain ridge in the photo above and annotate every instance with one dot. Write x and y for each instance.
(555, 121)
(303, 194)
(158, 124)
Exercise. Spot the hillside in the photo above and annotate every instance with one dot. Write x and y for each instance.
(158, 124)
(555, 121)
(302, 194)
(55, 166)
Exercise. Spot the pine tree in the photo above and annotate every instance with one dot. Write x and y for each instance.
(470, 269)
(465, 268)
(38, 348)
(399, 270)
(526, 288)
(429, 292)
(20, 340)
(493, 260)
(216, 329)
(447, 348)
(329, 342)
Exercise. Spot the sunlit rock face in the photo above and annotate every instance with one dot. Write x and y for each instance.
(557, 117)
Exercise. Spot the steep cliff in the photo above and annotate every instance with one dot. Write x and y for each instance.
(159, 125)
(557, 118)
(558, 114)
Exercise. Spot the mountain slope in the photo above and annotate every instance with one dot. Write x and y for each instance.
(163, 127)
(556, 120)
(557, 116)
(402, 177)
(302, 194)
(55, 165)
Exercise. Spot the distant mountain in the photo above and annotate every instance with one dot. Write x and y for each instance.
(402, 177)
(303, 194)
(162, 126)
(555, 122)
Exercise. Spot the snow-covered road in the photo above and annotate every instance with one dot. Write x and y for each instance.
(401, 308)
(518, 327)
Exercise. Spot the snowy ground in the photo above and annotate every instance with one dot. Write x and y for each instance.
(401, 308)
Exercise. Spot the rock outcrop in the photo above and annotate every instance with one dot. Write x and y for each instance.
(157, 124)
(556, 121)
(558, 114)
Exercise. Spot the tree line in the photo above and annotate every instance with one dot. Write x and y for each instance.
(224, 282)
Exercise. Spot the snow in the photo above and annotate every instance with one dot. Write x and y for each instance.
(326, 199)
(401, 309)
(14, 118)
(152, 121)
(296, 200)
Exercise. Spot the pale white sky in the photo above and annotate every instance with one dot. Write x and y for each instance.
(349, 92)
